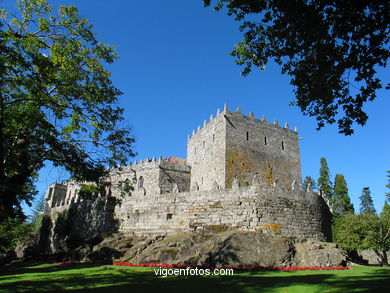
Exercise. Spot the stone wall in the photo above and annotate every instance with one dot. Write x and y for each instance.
(82, 219)
(289, 212)
(271, 209)
(258, 148)
(206, 154)
(173, 176)
(55, 195)
(151, 177)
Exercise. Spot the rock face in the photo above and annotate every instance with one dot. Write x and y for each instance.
(317, 254)
(369, 257)
(228, 248)
(239, 249)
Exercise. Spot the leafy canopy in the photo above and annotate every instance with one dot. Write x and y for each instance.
(57, 101)
(364, 231)
(331, 50)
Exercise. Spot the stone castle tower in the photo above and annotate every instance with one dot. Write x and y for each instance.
(232, 146)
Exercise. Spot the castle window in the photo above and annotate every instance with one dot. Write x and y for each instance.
(282, 145)
(141, 182)
(195, 151)
(204, 143)
(265, 140)
(213, 137)
(247, 135)
(169, 216)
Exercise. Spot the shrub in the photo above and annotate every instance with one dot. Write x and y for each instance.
(12, 231)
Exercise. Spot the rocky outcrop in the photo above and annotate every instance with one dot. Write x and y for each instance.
(317, 254)
(228, 248)
(233, 248)
(368, 256)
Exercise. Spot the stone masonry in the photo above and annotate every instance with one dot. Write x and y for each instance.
(240, 173)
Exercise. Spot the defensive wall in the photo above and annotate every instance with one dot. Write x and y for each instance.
(269, 209)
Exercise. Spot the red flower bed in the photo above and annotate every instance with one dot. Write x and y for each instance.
(243, 268)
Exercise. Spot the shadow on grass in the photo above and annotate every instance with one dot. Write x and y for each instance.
(35, 267)
(116, 279)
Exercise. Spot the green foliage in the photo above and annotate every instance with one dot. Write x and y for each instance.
(331, 50)
(57, 101)
(388, 186)
(351, 230)
(38, 221)
(37, 210)
(364, 231)
(385, 215)
(309, 181)
(11, 232)
(324, 183)
(341, 202)
(366, 202)
(126, 186)
(89, 191)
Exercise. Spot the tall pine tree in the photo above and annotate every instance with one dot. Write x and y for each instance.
(341, 202)
(324, 183)
(388, 186)
(366, 203)
(309, 181)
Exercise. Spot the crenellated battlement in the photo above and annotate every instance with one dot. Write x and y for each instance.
(238, 111)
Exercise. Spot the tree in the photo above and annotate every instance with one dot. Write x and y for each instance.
(11, 232)
(57, 101)
(388, 186)
(366, 203)
(309, 181)
(383, 243)
(37, 208)
(364, 231)
(324, 183)
(331, 50)
(341, 202)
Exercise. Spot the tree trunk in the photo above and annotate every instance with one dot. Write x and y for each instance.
(384, 258)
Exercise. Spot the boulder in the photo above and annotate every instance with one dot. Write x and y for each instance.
(310, 253)
(368, 256)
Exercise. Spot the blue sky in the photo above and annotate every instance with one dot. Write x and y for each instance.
(175, 70)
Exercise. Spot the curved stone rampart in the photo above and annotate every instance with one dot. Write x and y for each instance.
(270, 209)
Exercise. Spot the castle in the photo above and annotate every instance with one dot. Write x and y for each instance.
(240, 173)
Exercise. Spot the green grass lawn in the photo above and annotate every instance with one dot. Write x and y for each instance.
(108, 278)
